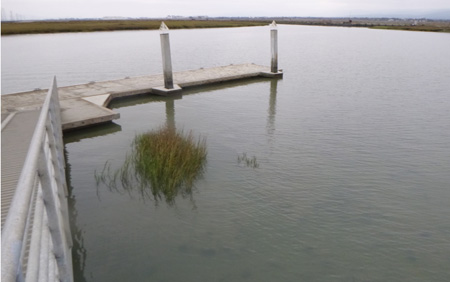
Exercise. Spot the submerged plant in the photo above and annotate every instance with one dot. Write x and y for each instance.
(249, 162)
(162, 163)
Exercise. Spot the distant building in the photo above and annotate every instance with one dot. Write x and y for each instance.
(114, 18)
(174, 17)
(199, 18)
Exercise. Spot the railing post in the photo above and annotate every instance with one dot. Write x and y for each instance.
(56, 159)
(54, 220)
(46, 248)
(57, 164)
(58, 133)
(33, 266)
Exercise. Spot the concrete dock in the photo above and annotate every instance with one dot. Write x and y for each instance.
(86, 104)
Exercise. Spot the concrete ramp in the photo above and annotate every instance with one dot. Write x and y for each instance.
(76, 113)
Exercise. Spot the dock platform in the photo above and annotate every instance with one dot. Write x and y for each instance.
(86, 104)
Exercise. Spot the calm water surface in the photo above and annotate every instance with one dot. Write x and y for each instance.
(353, 149)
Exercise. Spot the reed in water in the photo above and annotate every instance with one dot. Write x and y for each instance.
(163, 164)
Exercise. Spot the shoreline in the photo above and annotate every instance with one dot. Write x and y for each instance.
(45, 27)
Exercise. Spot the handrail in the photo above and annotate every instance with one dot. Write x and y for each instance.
(40, 178)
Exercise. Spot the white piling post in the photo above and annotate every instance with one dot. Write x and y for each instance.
(274, 47)
(166, 60)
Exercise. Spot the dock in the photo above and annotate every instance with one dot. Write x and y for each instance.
(86, 104)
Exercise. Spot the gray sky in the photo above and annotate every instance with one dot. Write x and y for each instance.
(39, 9)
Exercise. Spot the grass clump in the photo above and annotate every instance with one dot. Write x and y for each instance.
(163, 163)
(249, 162)
(168, 159)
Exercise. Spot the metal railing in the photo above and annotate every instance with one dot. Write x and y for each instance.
(36, 238)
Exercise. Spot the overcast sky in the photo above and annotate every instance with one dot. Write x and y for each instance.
(39, 9)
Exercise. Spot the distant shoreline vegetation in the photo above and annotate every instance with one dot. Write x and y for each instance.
(10, 28)
(428, 28)
(36, 27)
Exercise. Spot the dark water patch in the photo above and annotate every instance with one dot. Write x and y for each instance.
(246, 274)
(183, 249)
(208, 252)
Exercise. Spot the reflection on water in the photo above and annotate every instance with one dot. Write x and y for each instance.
(272, 107)
(170, 114)
(79, 252)
(141, 99)
(248, 161)
(91, 132)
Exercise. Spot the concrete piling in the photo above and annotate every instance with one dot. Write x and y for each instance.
(274, 47)
(169, 87)
(274, 71)
(166, 59)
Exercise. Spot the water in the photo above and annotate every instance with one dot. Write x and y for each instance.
(352, 146)
(30, 61)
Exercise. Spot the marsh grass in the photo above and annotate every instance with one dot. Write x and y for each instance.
(163, 164)
(249, 162)
(427, 28)
(9, 28)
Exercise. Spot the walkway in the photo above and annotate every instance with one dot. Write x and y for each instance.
(16, 137)
(36, 238)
